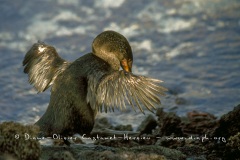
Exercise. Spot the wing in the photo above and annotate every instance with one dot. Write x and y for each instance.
(43, 64)
(116, 88)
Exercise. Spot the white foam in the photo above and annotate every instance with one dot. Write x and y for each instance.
(178, 50)
(108, 3)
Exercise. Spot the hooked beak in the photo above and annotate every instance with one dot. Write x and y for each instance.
(126, 65)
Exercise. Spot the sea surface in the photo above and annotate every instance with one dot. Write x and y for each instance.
(192, 45)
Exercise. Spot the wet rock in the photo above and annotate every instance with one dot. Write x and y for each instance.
(102, 123)
(158, 150)
(180, 101)
(168, 123)
(75, 140)
(102, 127)
(93, 152)
(63, 155)
(232, 149)
(167, 126)
(123, 127)
(199, 123)
(170, 143)
(93, 155)
(117, 143)
(193, 152)
(19, 141)
(141, 156)
(229, 124)
(228, 128)
(147, 125)
(7, 157)
(234, 142)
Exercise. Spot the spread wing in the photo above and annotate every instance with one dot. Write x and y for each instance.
(43, 64)
(119, 87)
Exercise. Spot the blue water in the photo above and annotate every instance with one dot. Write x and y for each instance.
(194, 46)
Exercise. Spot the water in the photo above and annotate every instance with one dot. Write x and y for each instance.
(192, 45)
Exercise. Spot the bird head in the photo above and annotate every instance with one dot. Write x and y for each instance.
(114, 49)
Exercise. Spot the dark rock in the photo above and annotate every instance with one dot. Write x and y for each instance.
(199, 123)
(123, 127)
(93, 155)
(102, 127)
(233, 147)
(234, 141)
(169, 123)
(7, 157)
(63, 155)
(192, 150)
(93, 152)
(159, 150)
(117, 143)
(170, 143)
(19, 141)
(180, 101)
(102, 123)
(75, 140)
(229, 124)
(147, 125)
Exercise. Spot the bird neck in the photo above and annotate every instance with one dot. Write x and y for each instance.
(111, 59)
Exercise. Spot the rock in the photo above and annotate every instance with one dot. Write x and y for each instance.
(147, 125)
(92, 152)
(62, 155)
(229, 124)
(170, 143)
(127, 127)
(7, 157)
(102, 127)
(162, 143)
(117, 143)
(102, 123)
(234, 142)
(156, 150)
(228, 130)
(199, 123)
(18, 141)
(181, 101)
(232, 148)
(169, 123)
(193, 152)
(93, 155)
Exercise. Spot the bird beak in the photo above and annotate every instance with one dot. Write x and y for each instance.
(126, 65)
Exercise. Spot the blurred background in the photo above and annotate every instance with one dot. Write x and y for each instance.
(192, 45)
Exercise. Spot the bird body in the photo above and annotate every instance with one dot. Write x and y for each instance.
(92, 83)
(70, 91)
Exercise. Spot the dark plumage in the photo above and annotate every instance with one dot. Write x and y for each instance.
(89, 84)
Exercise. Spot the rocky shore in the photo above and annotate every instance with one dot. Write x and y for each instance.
(164, 136)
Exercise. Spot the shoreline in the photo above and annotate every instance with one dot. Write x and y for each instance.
(163, 136)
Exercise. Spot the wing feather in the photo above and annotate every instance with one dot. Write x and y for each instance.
(43, 64)
(117, 88)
